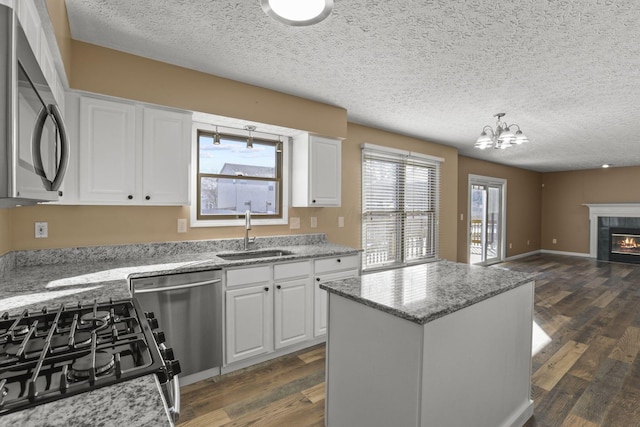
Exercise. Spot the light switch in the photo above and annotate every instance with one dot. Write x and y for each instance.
(314, 222)
(42, 230)
(340, 221)
(182, 225)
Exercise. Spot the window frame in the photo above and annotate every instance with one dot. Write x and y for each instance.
(399, 227)
(282, 176)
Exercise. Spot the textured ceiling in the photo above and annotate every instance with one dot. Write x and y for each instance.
(566, 71)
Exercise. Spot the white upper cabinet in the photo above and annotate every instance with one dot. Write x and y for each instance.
(131, 154)
(165, 157)
(107, 152)
(317, 171)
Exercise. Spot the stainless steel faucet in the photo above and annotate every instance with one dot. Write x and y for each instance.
(247, 227)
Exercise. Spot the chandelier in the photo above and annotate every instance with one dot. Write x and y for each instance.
(502, 137)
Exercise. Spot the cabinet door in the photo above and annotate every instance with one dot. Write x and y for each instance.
(292, 312)
(107, 151)
(320, 297)
(249, 324)
(165, 156)
(325, 171)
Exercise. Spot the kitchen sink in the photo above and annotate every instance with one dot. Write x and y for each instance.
(234, 256)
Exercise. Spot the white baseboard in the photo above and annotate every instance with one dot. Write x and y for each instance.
(523, 255)
(547, 251)
(579, 254)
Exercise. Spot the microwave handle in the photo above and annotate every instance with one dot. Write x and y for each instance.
(36, 142)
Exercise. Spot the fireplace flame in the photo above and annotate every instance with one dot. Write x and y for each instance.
(625, 244)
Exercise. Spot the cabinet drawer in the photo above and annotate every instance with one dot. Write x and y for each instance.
(291, 270)
(329, 277)
(349, 262)
(249, 275)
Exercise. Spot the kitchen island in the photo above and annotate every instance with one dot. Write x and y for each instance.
(440, 344)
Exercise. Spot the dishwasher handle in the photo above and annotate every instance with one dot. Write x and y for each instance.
(176, 287)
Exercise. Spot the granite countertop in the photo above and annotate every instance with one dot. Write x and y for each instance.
(425, 292)
(49, 278)
(44, 282)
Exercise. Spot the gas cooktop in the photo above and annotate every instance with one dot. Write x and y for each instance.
(54, 353)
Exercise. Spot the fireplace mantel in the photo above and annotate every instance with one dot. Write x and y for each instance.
(597, 210)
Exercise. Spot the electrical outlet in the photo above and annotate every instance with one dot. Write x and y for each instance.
(294, 223)
(510, 245)
(528, 243)
(182, 225)
(42, 230)
(554, 241)
(461, 217)
(314, 222)
(340, 221)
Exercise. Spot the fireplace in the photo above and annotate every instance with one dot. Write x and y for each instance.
(603, 217)
(624, 245)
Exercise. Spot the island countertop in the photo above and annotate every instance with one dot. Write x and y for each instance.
(425, 292)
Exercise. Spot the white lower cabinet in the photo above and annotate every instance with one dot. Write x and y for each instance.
(249, 322)
(293, 309)
(326, 270)
(267, 307)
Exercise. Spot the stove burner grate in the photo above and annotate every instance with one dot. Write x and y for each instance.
(73, 349)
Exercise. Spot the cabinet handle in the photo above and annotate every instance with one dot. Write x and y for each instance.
(339, 260)
(278, 287)
(317, 279)
(266, 289)
(129, 197)
(313, 201)
(148, 198)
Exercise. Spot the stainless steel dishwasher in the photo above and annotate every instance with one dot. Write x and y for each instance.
(188, 307)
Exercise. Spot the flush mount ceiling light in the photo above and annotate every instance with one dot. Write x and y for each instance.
(502, 137)
(297, 12)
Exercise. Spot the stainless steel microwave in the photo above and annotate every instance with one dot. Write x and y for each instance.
(34, 148)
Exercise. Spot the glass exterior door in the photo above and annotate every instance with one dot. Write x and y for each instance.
(486, 222)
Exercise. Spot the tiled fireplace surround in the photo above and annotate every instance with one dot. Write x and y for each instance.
(602, 217)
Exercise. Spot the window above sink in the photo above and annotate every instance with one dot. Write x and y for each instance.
(229, 178)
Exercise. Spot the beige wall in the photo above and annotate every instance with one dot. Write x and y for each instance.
(110, 72)
(564, 217)
(58, 15)
(523, 205)
(72, 226)
(5, 235)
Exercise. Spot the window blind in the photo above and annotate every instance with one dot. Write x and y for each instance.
(400, 198)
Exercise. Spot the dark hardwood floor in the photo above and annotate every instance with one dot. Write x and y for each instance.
(587, 375)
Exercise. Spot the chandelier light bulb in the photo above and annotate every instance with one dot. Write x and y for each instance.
(520, 138)
(506, 137)
(484, 141)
